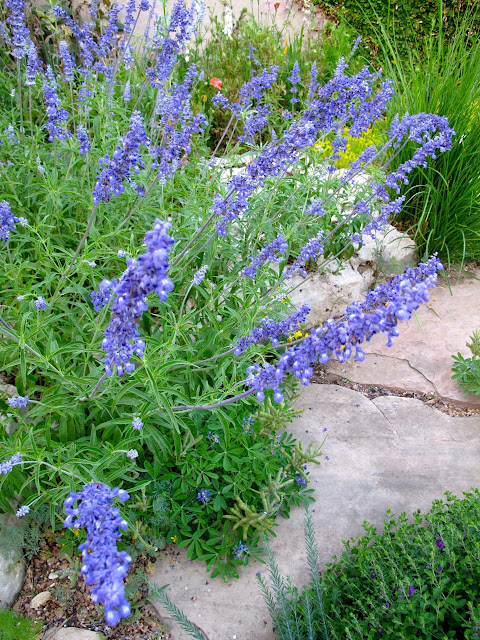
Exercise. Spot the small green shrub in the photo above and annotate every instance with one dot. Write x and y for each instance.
(417, 579)
(411, 22)
(466, 371)
(15, 627)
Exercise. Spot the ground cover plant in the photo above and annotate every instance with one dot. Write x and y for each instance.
(145, 313)
(13, 626)
(466, 371)
(418, 577)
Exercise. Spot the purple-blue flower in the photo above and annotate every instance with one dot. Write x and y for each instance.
(18, 401)
(178, 123)
(56, 115)
(132, 454)
(40, 303)
(7, 220)
(107, 39)
(174, 38)
(310, 251)
(22, 511)
(145, 275)
(240, 551)
(102, 297)
(7, 466)
(203, 496)
(199, 276)
(129, 19)
(294, 78)
(127, 94)
(313, 85)
(342, 100)
(4, 33)
(20, 33)
(103, 565)
(83, 140)
(265, 255)
(67, 60)
(137, 424)
(383, 309)
(33, 65)
(271, 329)
(88, 48)
(125, 159)
(440, 544)
(300, 480)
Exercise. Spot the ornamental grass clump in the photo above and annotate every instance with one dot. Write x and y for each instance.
(145, 313)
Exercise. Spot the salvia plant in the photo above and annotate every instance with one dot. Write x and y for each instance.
(145, 313)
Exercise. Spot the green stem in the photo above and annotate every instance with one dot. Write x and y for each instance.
(20, 105)
(79, 248)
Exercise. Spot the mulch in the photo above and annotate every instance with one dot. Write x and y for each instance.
(70, 604)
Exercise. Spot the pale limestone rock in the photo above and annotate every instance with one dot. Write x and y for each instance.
(12, 567)
(40, 599)
(328, 294)
(72, 633)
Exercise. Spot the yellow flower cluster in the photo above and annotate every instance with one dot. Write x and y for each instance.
(296, 335)
(355, 146)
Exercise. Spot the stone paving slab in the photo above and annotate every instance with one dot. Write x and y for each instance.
(390, 452)
(421, 356)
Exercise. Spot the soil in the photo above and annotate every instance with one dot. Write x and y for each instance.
(70, 604)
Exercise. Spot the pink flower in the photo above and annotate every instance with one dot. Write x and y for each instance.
(215, 82)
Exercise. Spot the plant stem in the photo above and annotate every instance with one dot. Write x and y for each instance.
(217, 405)
(97, 387)
(20, 105)
(79, 248)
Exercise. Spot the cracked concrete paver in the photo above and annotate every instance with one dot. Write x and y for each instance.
(421, 356)
(390, 452)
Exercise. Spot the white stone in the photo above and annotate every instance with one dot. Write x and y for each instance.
(328, 293)
(12, 567)
(40, 599)
(72, 633)
(398, 250)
